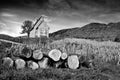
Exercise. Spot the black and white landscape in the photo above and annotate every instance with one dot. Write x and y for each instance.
(59, 40)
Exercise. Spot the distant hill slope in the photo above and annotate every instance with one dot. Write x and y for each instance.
(10, 38)
(6, 37)
(97, 31)
(94, 31)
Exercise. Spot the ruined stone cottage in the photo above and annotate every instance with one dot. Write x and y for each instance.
(40, 28)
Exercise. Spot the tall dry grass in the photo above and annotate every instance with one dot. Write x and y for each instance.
(99, 51)
(36, 43)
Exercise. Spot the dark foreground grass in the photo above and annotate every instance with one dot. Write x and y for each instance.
(103, 73)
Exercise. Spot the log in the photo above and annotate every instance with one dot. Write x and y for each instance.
(43, 63)
(20, 63)
(55, 54)
(61, 65)
(26, 52)
(37, 54)
(32, 65)
(58, 64)
(73, 62)
(8, 62)
(64, 56)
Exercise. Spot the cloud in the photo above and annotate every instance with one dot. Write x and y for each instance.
(13, 30)
(63, 13)
(7, 14)
(87, 7)
(3, 26)
(13, 22)
(60, 4)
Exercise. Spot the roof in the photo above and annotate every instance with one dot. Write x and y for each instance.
(38, 22)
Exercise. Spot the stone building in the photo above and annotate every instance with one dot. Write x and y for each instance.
(40, 28)
(39, 35)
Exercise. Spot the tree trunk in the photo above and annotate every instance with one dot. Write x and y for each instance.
(55, 54)
(73, 62)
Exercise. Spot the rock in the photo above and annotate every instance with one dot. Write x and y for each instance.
(37, 54)
(64, 56)
(73, 62)
(43, 63)
(8, 62)
(55, 54)
(32, 65)
(20, 63)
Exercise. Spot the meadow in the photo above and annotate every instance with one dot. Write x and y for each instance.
(105, 57)
(106, 51)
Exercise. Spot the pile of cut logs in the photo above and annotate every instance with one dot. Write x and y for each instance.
(36, 59)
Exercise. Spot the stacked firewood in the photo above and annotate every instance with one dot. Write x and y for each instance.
(35, 59)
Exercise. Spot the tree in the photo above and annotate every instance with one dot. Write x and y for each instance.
(27, 27)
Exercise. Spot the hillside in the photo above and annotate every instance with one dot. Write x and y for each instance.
(6, 37)
(97, 31)
(94, 31)
(10, 38)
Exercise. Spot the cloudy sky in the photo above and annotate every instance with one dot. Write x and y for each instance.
(62, 13)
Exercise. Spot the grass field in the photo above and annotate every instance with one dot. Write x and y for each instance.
(105, 56)
(103, 51)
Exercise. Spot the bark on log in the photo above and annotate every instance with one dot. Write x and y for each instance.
(73, 62)
(43, 63)
(37, 54)
(20, 63)
(32, 65)
(55, 54)
(8, 62)
(64, 56)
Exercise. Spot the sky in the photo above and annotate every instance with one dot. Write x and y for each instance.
(62, 14)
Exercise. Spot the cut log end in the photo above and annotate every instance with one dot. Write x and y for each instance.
(73, 62)
(64, 56)
(43, 63)
(8, 62)
(55, 54)
(32, 65)
(26, 52)
(37, 54)
(20, 63)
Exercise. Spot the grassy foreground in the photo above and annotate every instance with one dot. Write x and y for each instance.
(104, 73)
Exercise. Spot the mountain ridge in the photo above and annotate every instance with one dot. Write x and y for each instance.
(97, 31)
(94, 31)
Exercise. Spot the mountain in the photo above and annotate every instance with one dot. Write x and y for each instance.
(94, 31)
(10, 38)
(97, 31)
(6, 37)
